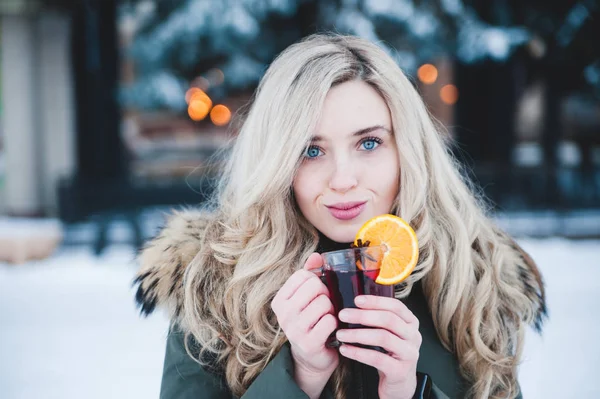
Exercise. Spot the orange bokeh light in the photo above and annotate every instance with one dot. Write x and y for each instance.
(449, 94)
(427, 74)
(203, 97)
(197, 110)
(191, 91)
(220, 115)
(195, 94)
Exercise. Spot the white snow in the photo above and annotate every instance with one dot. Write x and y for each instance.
(564, 361)
(497, 42)
(69, 327)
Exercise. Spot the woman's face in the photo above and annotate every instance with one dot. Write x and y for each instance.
(350, 171)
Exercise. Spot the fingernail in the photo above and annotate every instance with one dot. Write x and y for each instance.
(341, 335)
(360, 300)
(343, 349)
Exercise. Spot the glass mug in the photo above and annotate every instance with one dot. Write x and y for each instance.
(348, 273)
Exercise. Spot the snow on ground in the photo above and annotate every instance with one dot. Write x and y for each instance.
(564, 361)
(69, 327)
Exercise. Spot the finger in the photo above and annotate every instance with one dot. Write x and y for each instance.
(323, 329)
(315, 310)
(379, 319)
(314, 261)
(384, 303)
(396, 347)
(382, 362)
(292, 284)
(307, 292)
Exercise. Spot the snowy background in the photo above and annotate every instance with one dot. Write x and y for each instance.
(69, 327)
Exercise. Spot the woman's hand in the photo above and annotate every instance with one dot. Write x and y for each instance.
(396, 329)
(305, 313)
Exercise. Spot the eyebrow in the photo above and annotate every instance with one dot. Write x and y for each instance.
(358, 133)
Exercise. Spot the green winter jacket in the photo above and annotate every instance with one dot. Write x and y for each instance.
(183, 378)
(160, 283)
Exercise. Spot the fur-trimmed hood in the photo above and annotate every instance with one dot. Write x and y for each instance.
(164, 259)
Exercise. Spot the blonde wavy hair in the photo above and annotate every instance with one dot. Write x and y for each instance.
(471, 271)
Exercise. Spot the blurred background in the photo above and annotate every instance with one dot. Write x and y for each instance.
(111, 112)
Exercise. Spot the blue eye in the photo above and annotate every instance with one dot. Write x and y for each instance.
(312, 152)
(370, 144)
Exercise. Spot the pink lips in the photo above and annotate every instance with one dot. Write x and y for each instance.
(346, 210)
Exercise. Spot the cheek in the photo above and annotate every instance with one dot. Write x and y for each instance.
(305, 187)
(386, 180)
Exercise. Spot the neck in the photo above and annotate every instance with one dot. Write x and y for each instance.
(326, 244)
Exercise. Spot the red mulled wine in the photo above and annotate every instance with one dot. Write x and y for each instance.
(349, 273)
(345, 285)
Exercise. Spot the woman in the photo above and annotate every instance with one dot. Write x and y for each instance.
(336, 135)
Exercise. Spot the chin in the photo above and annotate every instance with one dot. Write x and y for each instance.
(340, 234)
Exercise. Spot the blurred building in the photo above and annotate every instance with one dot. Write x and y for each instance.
(110, 106)
(37, 115)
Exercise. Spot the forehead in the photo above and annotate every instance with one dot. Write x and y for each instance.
(349, 107)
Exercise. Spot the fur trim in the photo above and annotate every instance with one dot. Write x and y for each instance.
(164, 260)
(533, 286)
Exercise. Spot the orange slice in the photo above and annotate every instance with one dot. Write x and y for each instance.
(402, 252)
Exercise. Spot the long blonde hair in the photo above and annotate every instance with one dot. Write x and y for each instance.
(471, 271)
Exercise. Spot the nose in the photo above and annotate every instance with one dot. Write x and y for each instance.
(343, 177)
